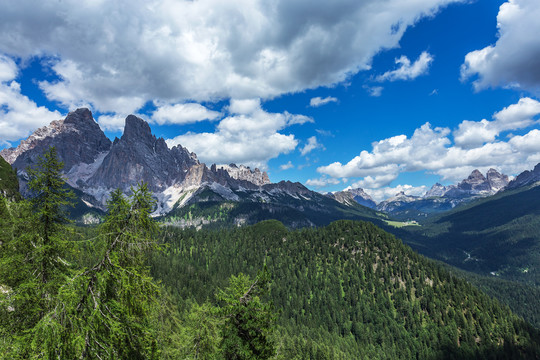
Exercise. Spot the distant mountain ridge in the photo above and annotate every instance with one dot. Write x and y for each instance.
(438, 199)
(351, 196)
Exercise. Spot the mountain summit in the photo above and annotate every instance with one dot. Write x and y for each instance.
(78, 139)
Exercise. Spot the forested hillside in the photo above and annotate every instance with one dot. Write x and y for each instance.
(348, 290)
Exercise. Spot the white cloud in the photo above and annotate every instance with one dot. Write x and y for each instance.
(183, 114)
(384, 193)
(318, 101)
(406, 70)
(311, 145)
(8, 69)
(430, 149)
(249, 135)
(472, 134)
(118, 55)
(19, 115)
(287, 166)
(514, 60)
(374, 91)
(244, 106)
(370, 182)
(517, 116)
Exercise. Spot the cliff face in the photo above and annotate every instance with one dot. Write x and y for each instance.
(140, 156)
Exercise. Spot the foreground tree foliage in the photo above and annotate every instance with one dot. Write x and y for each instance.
(51, 309)
(105, 309)
(33, 263)
(248, 320)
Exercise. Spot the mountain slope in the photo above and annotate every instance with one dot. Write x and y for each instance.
(353, 196)
(348, 290)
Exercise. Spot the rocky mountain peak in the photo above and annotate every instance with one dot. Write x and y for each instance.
(496, 180)
(80, 116)
(139, 156)
(77, 139)
(436, 190)
(137, 129)
(474, 182)
(476, 175)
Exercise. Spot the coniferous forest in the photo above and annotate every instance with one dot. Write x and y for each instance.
(130, 289)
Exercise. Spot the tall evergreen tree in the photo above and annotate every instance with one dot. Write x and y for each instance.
(34, 249)
(106, 309)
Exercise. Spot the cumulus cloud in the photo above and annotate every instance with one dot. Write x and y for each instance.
(183, 114)
(311, 145)
(374, 91)
(318, 101)
(249, 135)
(8, 69)
(118, 55)
(19, 115)
(472, 134)
(514, 60)
(374, 182)
(431, 149)
(406, 70)
(113, 122)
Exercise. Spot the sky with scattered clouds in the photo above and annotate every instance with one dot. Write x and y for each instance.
(387, 95)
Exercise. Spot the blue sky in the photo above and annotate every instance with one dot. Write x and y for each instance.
(384, 95)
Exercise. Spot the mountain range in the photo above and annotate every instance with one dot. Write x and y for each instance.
(439, 198)
(183, 187)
